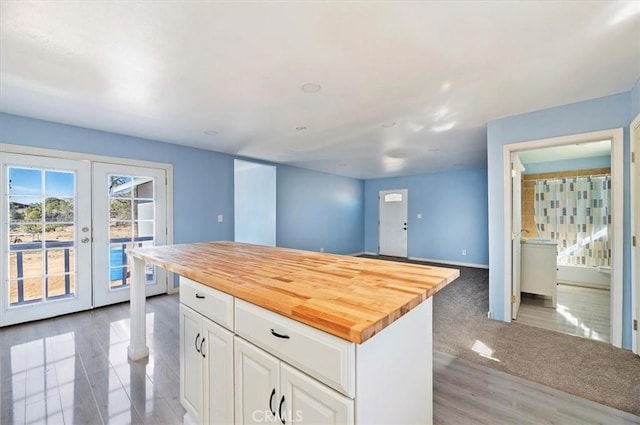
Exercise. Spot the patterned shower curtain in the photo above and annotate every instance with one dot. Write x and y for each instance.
(575, 211)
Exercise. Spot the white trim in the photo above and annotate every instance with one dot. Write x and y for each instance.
(452, 263)
(167, 167)
(370, 253)
(635, 230)
(355, 254)
(616, 135)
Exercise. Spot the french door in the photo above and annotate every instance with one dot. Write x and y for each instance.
(46, 246)
(129, 208)
(66, 226)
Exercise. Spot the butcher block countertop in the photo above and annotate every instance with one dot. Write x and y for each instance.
(349, 297)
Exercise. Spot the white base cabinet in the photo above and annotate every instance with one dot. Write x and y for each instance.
(242, 364)
(270, 391)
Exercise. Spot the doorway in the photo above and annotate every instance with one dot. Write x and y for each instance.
(254, 190)
(614, 231)
(392, 219)
(69, 220)
(635, 234)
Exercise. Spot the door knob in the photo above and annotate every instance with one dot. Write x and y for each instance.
(84, 240)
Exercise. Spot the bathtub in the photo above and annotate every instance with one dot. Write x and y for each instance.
(596, 277)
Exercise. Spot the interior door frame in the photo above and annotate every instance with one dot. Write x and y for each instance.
(55, 153)
(634, 167)
(405, 194)
(616, 135)
(516, 233)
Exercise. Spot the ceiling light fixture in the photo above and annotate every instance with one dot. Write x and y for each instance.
(211, 133)
(310, 87)
(389, 124)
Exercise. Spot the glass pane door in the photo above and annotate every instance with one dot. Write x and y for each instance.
(46, 251)
(129, 211)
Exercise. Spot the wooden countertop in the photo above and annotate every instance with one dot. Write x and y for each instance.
(349, 297)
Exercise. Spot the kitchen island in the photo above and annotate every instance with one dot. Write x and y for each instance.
(296, 336)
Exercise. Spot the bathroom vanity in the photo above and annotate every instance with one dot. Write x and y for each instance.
(285, 336)
(538, 269)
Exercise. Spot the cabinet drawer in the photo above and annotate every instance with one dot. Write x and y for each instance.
(327, 358)
(209, 302)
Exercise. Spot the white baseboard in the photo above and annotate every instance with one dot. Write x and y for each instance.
(370, 253)
(355, 254)
(452, 263)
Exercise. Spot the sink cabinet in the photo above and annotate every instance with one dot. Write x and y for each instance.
(538, 269)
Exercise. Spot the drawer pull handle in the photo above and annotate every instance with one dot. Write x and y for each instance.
(271, 402)
(280, 410)
(197, 338)
(200, 296)
(274, 333)
(201, 349)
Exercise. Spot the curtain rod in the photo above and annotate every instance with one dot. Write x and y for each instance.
(571, 177)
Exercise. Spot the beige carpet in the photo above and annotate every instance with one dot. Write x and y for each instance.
(590, 369)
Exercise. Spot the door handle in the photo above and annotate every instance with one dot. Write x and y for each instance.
(197, 338)
(271, 402)
(201, 348)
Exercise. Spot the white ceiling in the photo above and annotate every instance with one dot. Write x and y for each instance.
(572, 151)
(171, 70)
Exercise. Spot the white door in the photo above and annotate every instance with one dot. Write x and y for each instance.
(393, 222)
(307, 401)
(256, 383)
(46, 229)
(516, 231)
(635, 248)
(191, 362)
(129, 208)
(217, 352)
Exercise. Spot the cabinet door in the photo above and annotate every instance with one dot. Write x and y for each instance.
(307, 401)
(191, 362)
(256, 384)
(217, 352)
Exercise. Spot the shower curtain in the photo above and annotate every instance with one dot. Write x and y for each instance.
(576, 212)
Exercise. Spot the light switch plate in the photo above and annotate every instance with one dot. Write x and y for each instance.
(220, 218)
(419, 216)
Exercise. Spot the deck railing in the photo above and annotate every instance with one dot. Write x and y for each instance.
(21, 248)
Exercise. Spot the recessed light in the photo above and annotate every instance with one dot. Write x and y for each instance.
(301, 128)
(389, 124)
(310, 87)
(211, 132)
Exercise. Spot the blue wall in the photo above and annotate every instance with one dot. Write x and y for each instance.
(568, 165)
(315, 209)
(318, 210)
(454, 215)
(592, 115)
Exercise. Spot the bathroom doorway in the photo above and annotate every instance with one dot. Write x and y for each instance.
(565, 214)
(572, 209)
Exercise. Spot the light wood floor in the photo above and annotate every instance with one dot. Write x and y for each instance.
(74, 370)
(580, 311)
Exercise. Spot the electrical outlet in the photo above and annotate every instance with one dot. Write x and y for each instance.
(464, 252)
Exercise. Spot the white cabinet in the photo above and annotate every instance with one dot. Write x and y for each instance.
(538, 272)
(206, 354)
(270, 391)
